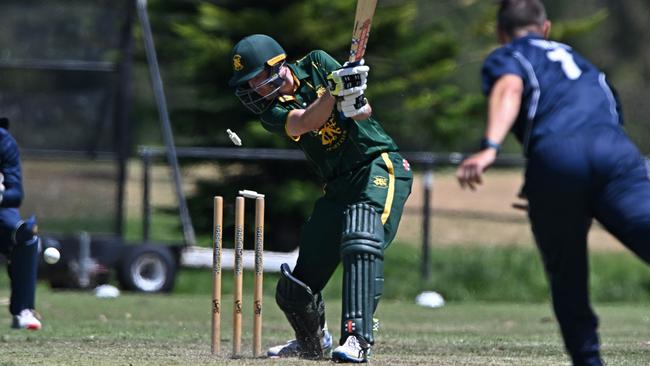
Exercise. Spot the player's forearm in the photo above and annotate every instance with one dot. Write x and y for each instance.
(312, 117)
(503, 107)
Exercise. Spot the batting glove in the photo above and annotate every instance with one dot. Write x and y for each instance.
(353, 104)
(349, 79)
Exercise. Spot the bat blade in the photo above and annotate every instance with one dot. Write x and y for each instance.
(361, 31)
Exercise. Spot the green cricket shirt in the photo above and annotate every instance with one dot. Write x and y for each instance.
(341, 144)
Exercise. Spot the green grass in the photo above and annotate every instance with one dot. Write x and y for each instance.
(488, 274)
(476, 273)
(497, 314)
(133, 329)
(165, 228)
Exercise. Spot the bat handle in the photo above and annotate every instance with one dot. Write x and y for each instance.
(351, 64)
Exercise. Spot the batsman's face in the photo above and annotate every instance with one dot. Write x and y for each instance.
(268, 82)
(259, 93)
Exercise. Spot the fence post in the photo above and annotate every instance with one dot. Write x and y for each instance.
(146, 193)
(427, 184)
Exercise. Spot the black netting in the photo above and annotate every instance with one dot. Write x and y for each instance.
(58, 72)
(60, 29)
(58, 85)
(63, 110)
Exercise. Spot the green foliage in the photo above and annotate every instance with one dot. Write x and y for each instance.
(424, 83)
(619, 277)
(464, 274)
(410, 86)
(580, 26)
(411, 63)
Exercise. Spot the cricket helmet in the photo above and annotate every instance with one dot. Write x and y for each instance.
(251, 56)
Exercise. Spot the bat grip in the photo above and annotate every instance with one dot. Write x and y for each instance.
(352, 64)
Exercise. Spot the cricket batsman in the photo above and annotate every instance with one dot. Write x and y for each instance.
(581, 164)
(321, 107)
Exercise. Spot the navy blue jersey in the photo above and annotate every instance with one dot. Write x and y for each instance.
(563, 92)
(10, 168)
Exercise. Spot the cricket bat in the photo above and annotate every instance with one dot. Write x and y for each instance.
(361, 30)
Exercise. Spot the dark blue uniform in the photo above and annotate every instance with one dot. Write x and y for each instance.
(581, 165)
(22, 255)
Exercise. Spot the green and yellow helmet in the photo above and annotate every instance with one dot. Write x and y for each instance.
(251, 56)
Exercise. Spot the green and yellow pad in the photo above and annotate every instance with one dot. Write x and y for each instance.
(362, 253)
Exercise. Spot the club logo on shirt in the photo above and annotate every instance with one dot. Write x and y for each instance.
(236, 63)
(379, 181)
(331, 135)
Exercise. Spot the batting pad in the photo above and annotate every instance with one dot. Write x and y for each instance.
(362, 254)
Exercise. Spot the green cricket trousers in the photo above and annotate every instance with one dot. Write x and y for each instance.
(384, 183)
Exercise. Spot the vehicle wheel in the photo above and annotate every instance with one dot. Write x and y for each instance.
(147, 268)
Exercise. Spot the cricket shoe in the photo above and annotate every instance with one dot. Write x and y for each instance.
(354, 350)
(292, 349)
(26, 320)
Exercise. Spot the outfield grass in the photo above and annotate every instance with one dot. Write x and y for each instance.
(483, 274)
(133, 329)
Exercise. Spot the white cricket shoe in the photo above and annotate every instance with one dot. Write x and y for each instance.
(26, 320)
(291, 348)
(351, 351)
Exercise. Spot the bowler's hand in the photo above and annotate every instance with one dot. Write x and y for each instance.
(470, 170)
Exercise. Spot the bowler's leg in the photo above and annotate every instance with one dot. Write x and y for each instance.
(623, 207)
(563, 246)
(560, 217)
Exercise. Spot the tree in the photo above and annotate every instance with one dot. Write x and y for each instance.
(410, 85)
(424, 84)
(411, 90)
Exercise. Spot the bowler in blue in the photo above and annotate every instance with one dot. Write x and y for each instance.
(581, 165)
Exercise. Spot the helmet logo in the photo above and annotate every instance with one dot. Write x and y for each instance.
(236, 63)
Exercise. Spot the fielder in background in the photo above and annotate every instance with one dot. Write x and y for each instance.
(367, 184)
(581, 165)
(18, 239)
